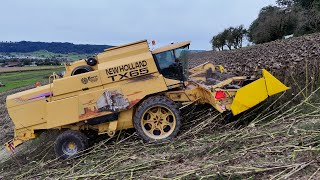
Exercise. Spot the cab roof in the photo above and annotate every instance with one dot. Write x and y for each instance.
(125, 45)
(171, 46)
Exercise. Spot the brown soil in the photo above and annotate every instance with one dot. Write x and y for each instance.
(295, 61)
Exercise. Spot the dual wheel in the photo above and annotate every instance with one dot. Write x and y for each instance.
(157, 119)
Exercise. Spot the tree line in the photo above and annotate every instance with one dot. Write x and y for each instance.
(288, 17)
(231, 38)
(54, 47)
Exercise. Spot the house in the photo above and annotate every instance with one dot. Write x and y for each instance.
(13, 64)
(33, 64)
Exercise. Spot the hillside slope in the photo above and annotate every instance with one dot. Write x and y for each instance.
(295, 61)
(53, 47)
(281, 55)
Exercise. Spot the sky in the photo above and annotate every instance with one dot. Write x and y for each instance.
(116, 22)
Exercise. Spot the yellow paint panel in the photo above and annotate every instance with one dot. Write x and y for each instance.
(249, 96)
(274, 86)
(127, 50)
(21, 98)
(29, 114)
(124, 69)
(62, 112)
(125, 120)
(76, 83)
(171, 82)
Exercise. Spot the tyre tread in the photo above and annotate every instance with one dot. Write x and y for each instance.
(154, 100)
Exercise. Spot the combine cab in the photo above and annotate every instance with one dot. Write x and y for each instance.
(130, 87)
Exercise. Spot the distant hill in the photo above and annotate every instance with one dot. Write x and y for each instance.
(54, 47)
(197, 51)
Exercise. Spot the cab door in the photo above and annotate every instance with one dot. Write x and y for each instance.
(168, 66)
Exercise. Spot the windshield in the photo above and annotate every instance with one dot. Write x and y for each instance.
(166, 59)
(181, 55)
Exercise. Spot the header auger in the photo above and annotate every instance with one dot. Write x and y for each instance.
(130, 87)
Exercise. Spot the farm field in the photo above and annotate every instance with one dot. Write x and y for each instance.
(285, 147)
(27, 68)
(47, 55)
(279, 139)
(19, 77)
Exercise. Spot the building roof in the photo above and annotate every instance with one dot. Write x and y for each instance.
(13, 63)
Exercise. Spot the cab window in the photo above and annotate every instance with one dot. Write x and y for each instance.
(167, 65)
(165, 59)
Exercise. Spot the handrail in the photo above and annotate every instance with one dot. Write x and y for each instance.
(54, 76)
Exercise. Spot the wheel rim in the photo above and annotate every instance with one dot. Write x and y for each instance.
(158, 122)
(69, 148)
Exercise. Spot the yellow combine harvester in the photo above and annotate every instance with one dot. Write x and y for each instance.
(129, 87)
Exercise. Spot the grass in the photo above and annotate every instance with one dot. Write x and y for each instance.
(49, 55)
(14, 80)
(27, 68)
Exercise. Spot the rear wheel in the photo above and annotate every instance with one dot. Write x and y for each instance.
(81, 70)
(157, 119)
(70, 143)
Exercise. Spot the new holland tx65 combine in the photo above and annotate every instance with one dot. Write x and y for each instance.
(129, 87)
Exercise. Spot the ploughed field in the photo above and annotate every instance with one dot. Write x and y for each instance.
(276, 140)
(295, 61)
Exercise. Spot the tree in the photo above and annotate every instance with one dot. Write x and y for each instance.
(307, 13)
(272, 23)
(238, 35)
(296, 17)
(228, 33)
(308, 22)
(286, 3)
(231, 37)
(26, 62)
(218, 42)
(307, 4)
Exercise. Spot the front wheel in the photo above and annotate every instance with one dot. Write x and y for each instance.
(157, 119)
(70, 143)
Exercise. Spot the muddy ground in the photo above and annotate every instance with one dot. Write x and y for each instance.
(207, 148)
(295, 61)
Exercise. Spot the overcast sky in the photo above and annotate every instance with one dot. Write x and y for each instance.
(115, 22)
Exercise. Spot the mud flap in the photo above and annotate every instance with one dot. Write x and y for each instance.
(256, 92)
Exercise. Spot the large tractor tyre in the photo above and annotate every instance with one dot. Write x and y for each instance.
(81, 70)
(157, 119)
(70, 143)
